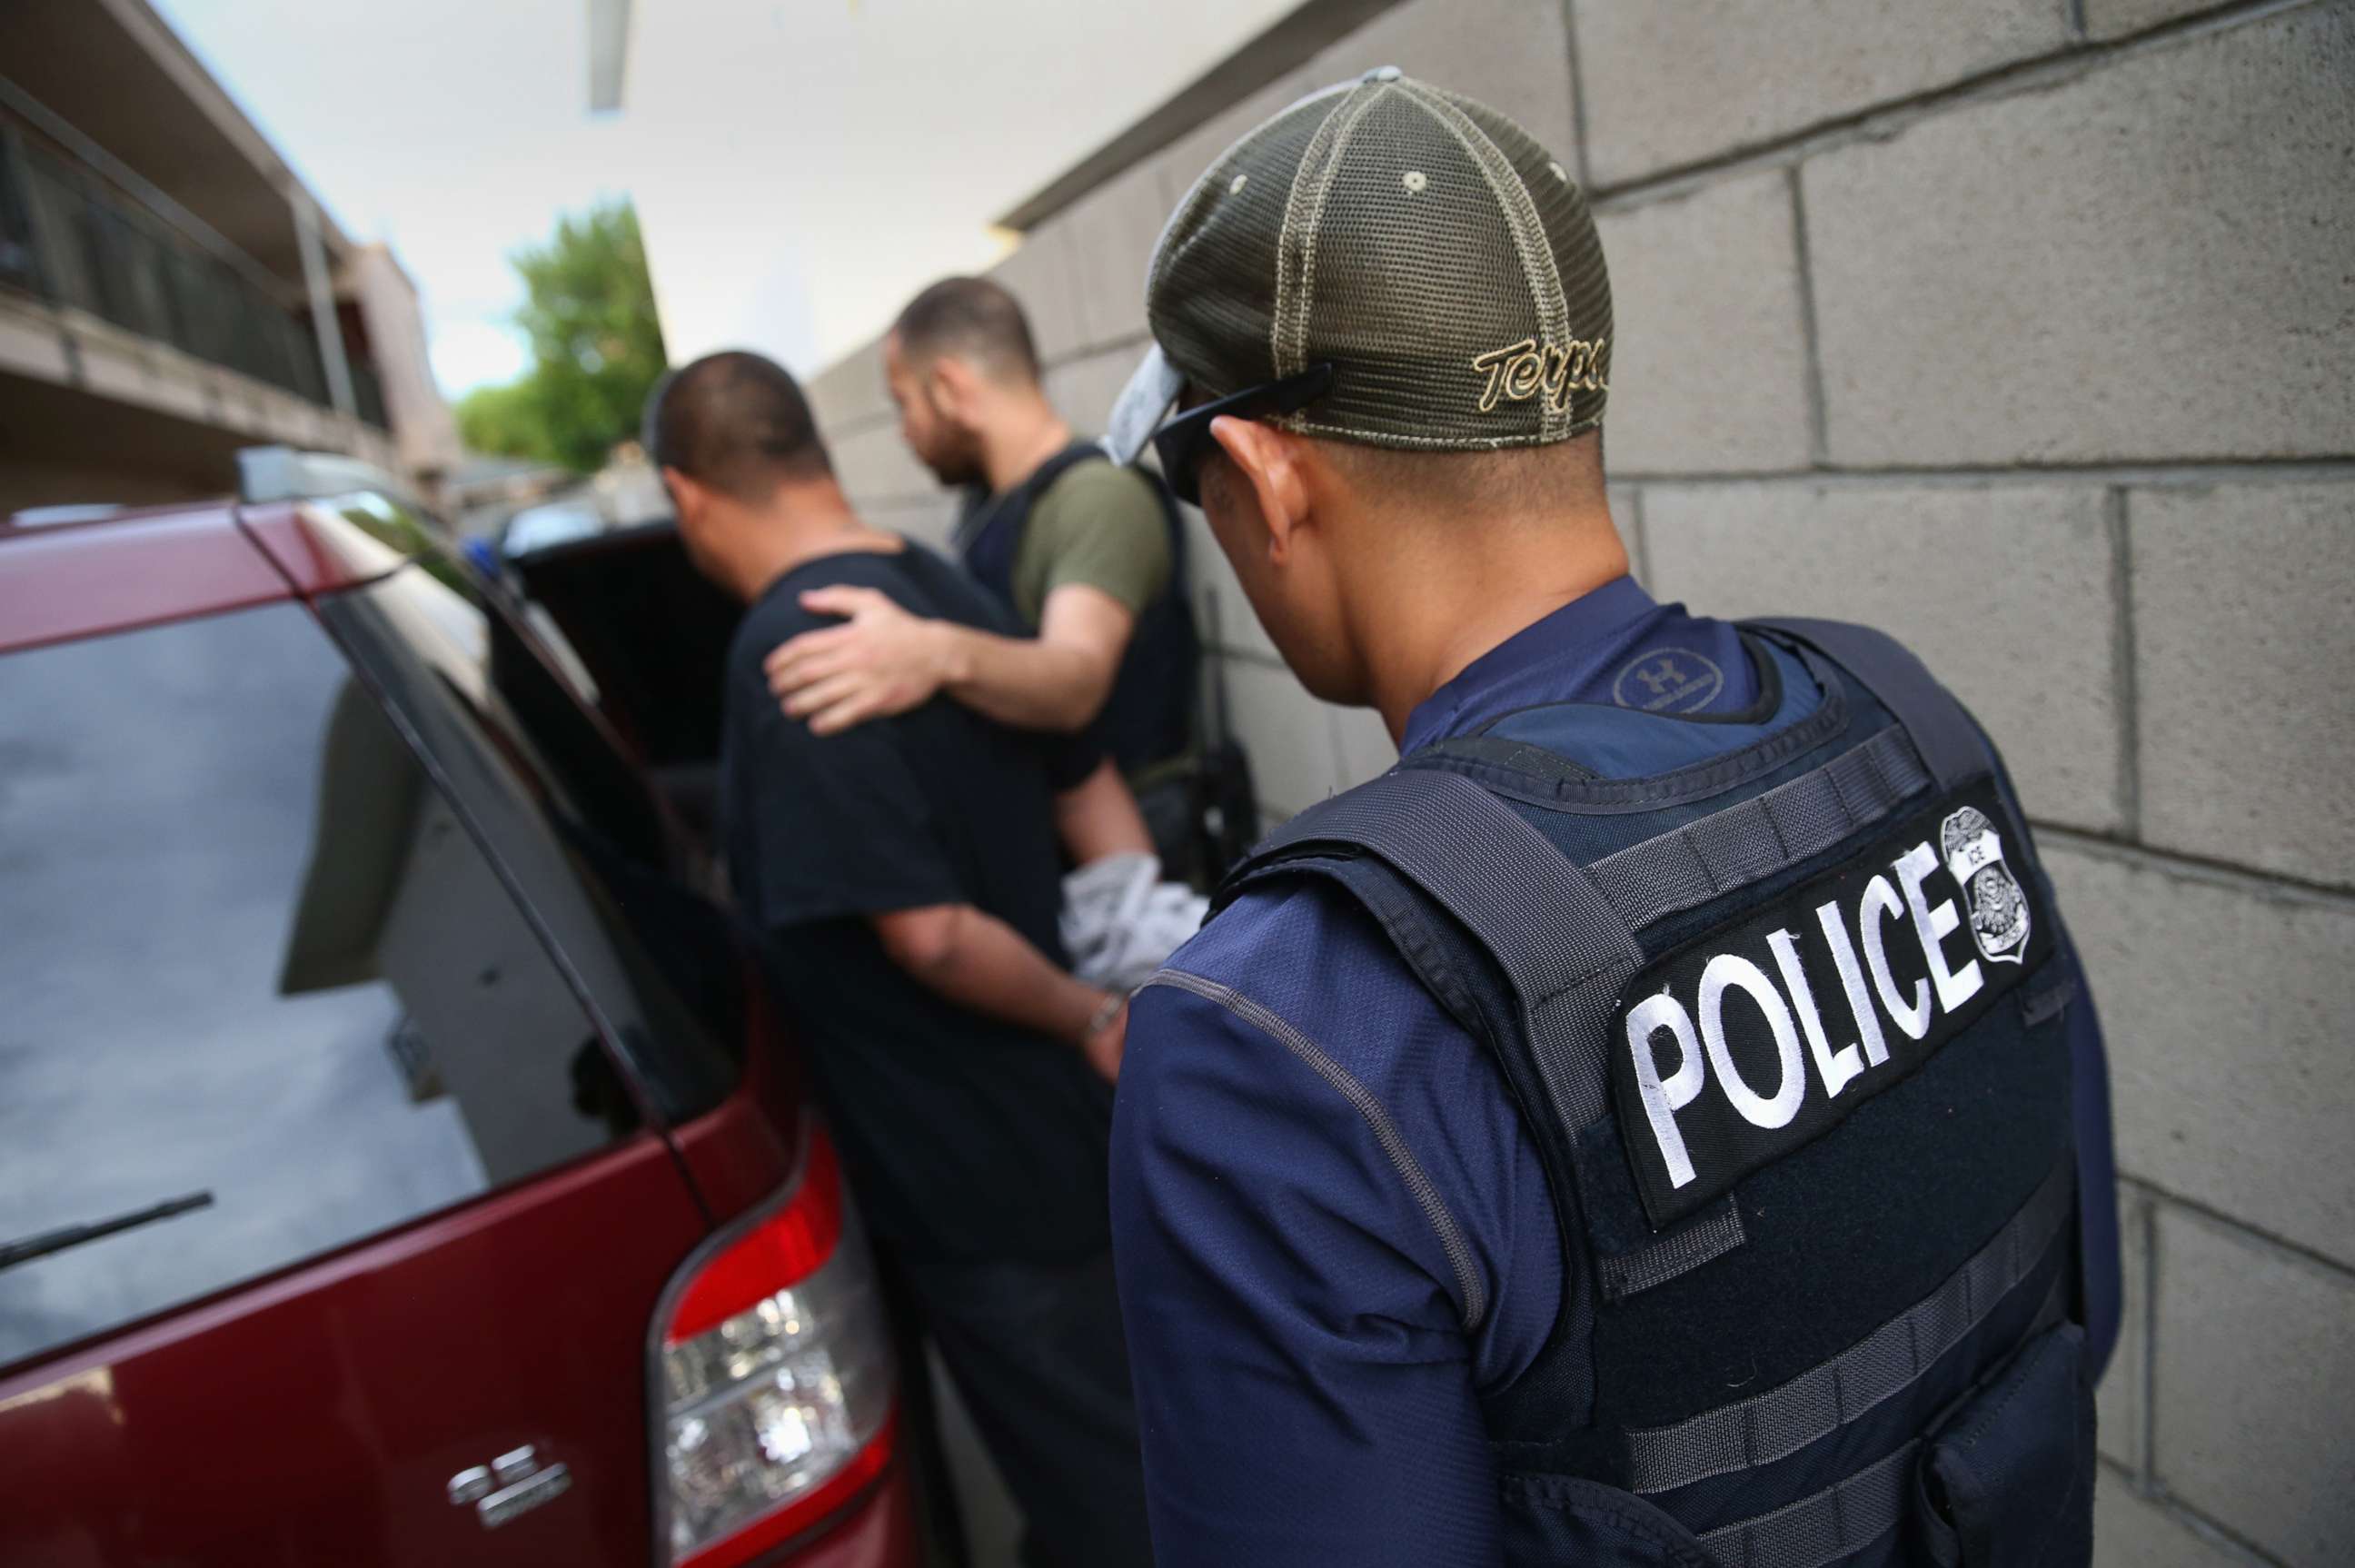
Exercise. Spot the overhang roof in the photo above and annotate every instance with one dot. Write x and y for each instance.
(116, 73)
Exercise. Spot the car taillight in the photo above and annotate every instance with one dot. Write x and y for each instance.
(776, 1377)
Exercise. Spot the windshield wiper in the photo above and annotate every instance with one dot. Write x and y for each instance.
(46, 1242)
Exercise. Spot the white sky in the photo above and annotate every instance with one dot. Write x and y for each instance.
(800, 165)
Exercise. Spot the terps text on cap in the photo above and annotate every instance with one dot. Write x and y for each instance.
(1521, 370)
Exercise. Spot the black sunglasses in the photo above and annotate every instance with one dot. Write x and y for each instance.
(1183, 441)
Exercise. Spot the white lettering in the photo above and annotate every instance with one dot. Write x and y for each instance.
(1868, 1021)
(1881, 903)
(1955, 986)
(1729, 969)
(1662, 1101)
(1833, 1067)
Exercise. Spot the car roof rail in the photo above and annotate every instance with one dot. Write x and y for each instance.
(57, 516)
(266, 474)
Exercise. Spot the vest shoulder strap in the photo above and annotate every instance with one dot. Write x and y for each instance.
(1551, 930)
(985, 514)
(1062, 463)
(1025, 496)
(1943, 734)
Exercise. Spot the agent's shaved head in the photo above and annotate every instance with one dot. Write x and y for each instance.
(976, 321)
(737, 422)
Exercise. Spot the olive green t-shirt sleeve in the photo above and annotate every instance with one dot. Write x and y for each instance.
(1102, 524)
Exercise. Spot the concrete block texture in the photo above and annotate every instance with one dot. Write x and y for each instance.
(2223, 1007)
(1513, 54)
(1288, 734)
(2131, 1531)
(926, 522)
(875, 464)
(1110, 234)
(1183, 160)
(2244, 636)
(2256, 1370)
(1082, 390)
(1627, 512)
(2003, 589)
(1363, 747)
(849, 394)
(1708, 354)
(2144, 261)
(1222, 614)
(2116, 19)
(2121, 1396)
(1670, 85)
(1040, 273)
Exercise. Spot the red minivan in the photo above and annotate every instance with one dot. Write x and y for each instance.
(399, 1162)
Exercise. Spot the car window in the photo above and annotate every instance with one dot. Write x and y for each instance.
(252, 957)
(651, 631)
(590, 849)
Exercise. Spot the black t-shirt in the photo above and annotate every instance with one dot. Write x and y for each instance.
(965, 1137)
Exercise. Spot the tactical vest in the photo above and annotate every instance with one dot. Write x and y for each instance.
(1787, 1029)
(1149, 715)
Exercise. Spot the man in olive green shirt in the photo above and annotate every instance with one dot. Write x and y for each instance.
(1099, 525)
(1084, 550)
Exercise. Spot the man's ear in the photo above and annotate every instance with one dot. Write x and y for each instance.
(686, 495)
(951, 383)
(1267, 461)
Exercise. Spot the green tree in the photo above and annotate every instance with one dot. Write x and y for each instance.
(504, 421)
(596, 347)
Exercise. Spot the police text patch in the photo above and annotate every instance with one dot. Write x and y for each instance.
(1738, 1047)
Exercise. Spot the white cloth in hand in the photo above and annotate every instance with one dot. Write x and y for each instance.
(1121, 920)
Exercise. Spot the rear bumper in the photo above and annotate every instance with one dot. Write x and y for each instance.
(880, 1532)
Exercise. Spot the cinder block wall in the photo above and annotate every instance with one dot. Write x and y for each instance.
(2026, 328)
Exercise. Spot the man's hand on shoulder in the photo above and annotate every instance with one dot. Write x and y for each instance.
(880, 661)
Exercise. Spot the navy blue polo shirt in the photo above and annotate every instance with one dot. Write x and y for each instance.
(1332, 1231)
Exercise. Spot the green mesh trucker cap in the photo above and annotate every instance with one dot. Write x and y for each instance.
(1383, 262)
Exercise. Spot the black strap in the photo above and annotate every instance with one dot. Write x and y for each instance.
(1824, 1527)
(1942, 732)
(1891, 1359)
(1703, 1238)
(1730, 848)
(1018, 500)
(1560, 945)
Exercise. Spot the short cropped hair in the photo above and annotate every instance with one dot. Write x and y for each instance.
(737, 421)
(1537, 480)
(973, 319)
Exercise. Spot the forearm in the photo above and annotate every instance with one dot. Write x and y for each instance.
(1098, 816)
(986, 967)
(1030, 683)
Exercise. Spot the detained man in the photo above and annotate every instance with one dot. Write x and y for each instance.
(905, 877)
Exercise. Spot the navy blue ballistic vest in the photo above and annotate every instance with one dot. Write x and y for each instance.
(1788, 1027)
(1149, 715)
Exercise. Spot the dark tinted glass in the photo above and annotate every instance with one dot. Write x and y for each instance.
(249, 953)
(593, 853)
(649, 633)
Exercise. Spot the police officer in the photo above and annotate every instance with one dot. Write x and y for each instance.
(1659, 1121)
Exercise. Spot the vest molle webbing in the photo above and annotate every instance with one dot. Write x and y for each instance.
(1790, 1049)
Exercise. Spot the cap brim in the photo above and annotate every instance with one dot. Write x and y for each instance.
(1140, 406)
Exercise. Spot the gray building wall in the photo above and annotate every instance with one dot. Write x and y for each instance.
(2026, 329)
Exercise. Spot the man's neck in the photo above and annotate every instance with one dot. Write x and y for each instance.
(1022, 433)
(792, 531)
(1448, 604)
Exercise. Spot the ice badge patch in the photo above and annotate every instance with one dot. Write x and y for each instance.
(1999, 908)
